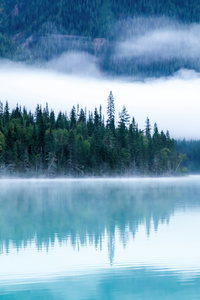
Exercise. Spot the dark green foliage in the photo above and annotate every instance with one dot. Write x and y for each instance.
(86, 18)
(111, 112)
(39, 30)
(81, 145)
(191, 148)
(7, 46)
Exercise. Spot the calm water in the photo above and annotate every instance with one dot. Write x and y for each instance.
(100, 239)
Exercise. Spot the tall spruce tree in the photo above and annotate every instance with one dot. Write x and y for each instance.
(148, 129)
(111, 112)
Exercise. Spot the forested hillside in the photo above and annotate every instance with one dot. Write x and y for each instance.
(191, 148)
(83, 144)
(87, 18)
(41, 29)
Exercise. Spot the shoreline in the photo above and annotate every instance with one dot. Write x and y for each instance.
(97, 178)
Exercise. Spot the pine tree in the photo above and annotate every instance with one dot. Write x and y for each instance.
(81, 117)
(148, 129)
(52, 119)
(111, 112)
(124, 117)
(6, 114)
(73, 118)
(1, 116)
(123, 122)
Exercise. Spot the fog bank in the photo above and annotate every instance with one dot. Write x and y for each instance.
(173, 102)
(158, 40)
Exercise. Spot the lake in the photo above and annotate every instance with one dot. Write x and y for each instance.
(100, 238)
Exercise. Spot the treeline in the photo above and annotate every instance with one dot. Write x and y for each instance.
(78, 145)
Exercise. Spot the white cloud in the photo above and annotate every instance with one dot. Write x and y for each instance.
(173, 102)
(75, 63)
(160, 43)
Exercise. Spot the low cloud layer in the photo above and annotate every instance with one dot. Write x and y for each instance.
(171, 102)
(75, 63)
(160, 41)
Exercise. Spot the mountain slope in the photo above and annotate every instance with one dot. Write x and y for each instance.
(42, 29)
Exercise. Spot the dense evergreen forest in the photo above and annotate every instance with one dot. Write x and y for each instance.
(42, 29)
(82, 144)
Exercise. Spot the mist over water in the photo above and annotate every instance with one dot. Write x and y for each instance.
(83, 238)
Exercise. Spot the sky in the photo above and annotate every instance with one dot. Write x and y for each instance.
(173, 102)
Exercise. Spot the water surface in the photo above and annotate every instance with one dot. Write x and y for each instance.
(100, 238)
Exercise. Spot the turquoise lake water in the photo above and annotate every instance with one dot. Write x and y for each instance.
(100, 239)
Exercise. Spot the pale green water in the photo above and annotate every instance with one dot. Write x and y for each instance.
(100, 239)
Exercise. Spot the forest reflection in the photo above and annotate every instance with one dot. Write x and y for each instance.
(84, 211)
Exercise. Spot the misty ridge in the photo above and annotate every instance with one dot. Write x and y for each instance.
(138, 48)
(154, 47)
(163, 41)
